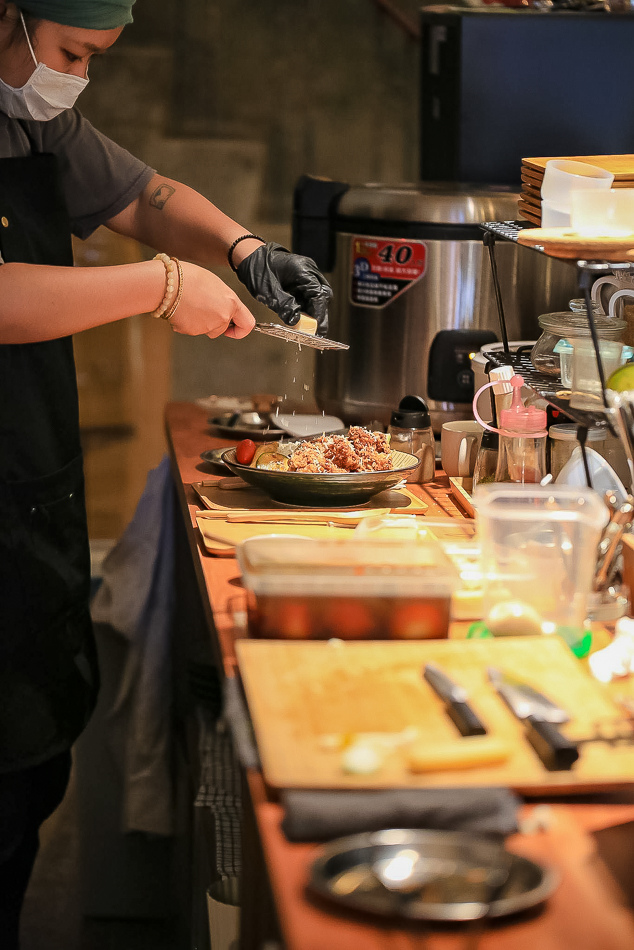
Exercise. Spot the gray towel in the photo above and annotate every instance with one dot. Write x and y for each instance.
(321, 815)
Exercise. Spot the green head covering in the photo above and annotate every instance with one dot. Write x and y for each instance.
(89, 14)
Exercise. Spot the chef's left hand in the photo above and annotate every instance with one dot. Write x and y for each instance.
(287, 283)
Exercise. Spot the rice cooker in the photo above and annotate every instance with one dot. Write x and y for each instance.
(413, 294)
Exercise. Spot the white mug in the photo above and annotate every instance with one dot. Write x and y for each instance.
(459, 444)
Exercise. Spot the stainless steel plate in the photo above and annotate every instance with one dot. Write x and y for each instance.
(213, 458)
(327, 490)
(428, 875)
(231, 425)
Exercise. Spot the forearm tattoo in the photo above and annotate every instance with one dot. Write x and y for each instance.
(162, 194)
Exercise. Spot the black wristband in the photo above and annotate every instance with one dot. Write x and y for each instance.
(243, 237)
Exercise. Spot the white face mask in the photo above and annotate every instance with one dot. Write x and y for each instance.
(45, 94)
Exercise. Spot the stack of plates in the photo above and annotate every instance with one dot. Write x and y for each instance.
(529, 205)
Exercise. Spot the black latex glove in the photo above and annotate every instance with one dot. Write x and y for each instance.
(289, 284)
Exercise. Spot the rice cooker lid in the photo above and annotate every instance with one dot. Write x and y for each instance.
(428, 203)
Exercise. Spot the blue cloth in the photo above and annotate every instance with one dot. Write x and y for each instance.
(135, 601)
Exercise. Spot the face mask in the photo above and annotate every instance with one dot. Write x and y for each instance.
(45, 94)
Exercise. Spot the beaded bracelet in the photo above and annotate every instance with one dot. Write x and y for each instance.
(172, 310)
(243, 237)
(166, 307)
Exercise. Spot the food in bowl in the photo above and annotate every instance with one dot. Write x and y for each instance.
(359, 451)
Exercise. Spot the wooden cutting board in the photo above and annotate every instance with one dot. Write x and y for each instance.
(300, 692)
(462, 493)
(621, 166)
(562, 242)
(221, 537)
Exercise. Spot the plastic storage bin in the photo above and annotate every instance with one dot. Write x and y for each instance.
(538, 549)
(356, 589)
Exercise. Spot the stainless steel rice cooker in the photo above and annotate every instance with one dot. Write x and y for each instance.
(413, 292)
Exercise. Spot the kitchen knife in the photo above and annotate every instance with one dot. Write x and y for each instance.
(455, 698)
(540, 717)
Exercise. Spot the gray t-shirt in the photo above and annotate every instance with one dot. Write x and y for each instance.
(99, 177)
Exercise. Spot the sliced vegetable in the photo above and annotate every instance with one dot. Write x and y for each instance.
(263, 449)
(272, 460)
(245, 451)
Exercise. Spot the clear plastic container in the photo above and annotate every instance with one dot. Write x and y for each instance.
(570, 326)
(350, 589)
(586, 383)
(538, 549)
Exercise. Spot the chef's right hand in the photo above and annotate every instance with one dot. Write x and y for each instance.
(208, 306)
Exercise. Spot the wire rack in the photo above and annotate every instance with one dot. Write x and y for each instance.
(549, 387)
(300, 337)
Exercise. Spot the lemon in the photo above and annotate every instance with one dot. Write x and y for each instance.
(622, 379)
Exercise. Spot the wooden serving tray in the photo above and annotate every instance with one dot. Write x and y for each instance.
(621, 166)
(299, 692)
(213, 496)
(563, 242)
(461, 492)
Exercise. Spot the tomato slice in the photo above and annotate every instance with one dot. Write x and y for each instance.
(348, 619)
(420, 620)
(293, 621)
(245, 451)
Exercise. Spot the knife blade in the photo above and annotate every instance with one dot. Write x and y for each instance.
(455, 698)
(540, 716)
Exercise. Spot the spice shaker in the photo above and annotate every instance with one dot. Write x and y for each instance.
(410, 431)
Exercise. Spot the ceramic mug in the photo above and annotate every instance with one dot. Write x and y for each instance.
(459, 444)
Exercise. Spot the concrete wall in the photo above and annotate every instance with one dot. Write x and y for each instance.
(238, 98)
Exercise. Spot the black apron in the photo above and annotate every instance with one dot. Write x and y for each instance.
(48, 671)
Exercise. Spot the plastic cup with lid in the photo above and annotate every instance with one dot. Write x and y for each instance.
(562, 176)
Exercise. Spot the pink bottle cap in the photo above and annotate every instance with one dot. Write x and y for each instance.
(524, 420)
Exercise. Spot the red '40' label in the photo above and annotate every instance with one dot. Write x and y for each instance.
(383, 268)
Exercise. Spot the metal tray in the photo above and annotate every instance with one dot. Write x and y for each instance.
(443, 876)
(229, 426)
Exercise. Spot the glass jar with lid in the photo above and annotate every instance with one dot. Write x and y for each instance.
(570, 325)
(563, 441)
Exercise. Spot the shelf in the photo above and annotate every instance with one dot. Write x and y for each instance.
(548, 387)
(510, 230)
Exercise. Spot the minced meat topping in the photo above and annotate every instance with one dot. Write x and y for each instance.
(359, 451)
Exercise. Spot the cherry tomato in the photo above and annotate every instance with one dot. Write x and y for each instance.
(348, 619)
(245, 451)
(419, 621)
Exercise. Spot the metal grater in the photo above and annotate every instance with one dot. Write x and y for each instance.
(300, 337)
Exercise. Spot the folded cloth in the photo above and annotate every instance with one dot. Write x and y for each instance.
(322, 815)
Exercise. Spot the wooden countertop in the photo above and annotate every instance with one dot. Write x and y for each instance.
(587, 912)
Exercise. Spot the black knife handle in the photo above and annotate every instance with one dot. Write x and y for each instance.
(556, 751)
(465, 719)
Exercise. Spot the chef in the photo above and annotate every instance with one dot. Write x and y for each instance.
(58, 176)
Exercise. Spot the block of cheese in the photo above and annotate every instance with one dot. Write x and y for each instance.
(306, 324)
(470, 752)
